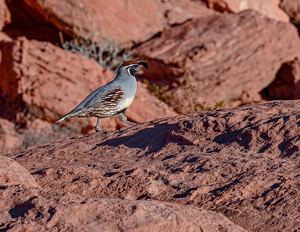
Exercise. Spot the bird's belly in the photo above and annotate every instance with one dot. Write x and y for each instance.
(125, 104)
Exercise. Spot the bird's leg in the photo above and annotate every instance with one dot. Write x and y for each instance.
(124, 118)
(97, 126)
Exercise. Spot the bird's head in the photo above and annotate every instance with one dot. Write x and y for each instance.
(131, 67)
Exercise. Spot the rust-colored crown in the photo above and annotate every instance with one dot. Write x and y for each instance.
(129, 62)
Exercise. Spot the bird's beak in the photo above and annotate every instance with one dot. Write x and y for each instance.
(144, 64)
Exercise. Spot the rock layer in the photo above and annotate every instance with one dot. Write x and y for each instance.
(4, 15)
(232, 59)
(292, 8)
(286, 84)
(12, 173)
(25, 206)
(242, 162)
(10, 139)
(32, 209)
(40, 81)
(126, 22)
(270, 8)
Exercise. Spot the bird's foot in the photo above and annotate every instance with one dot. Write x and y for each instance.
(131, 123)
(124, 119)
(97, 130)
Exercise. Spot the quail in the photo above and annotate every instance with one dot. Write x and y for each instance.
(112, 99)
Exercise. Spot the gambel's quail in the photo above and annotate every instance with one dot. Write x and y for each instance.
(112, 99)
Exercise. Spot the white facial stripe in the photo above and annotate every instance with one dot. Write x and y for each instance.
(130, 65)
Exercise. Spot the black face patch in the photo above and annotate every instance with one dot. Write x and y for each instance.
(132, 70)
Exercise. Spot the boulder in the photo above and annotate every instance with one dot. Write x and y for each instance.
(29, 209)
(25, 206)
(126, 22)
(242, 162)
(292, 8)
(42, 81)
(270, 8)
(5, 17)
(12, 173)
(231, 60)
(26, 22)
(9, 138)
(4, 37)
(286, 85)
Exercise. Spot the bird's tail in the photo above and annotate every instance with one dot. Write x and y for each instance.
(61, 119)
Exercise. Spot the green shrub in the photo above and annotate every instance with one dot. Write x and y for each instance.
(167, 95)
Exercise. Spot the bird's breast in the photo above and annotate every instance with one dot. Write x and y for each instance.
(126, 103)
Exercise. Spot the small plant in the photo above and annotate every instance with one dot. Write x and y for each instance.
(168, 96)
(107, 53)
(193, 104)
(158, 91)
(217, 105)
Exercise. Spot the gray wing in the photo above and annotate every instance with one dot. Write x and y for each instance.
(92, 100)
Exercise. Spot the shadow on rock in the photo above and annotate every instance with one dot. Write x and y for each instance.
(150, 139)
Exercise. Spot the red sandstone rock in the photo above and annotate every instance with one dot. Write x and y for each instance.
(12, 173)
(243, 162)
(4, 14)
(146, 107)
(29, 209)
(123, 21)
(47, 79)
(9, 138)
(4, 37)
(40, 80)
(26, 22)
(219, 5)
(287, 82)
(269, 8)
(178, 11)
(292, 8)
(24, 205)
(236, 55)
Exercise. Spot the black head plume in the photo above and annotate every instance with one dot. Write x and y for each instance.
(144, 64)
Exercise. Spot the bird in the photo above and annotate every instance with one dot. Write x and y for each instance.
(112, 99)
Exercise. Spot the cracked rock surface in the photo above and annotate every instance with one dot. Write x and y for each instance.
(241, 162)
